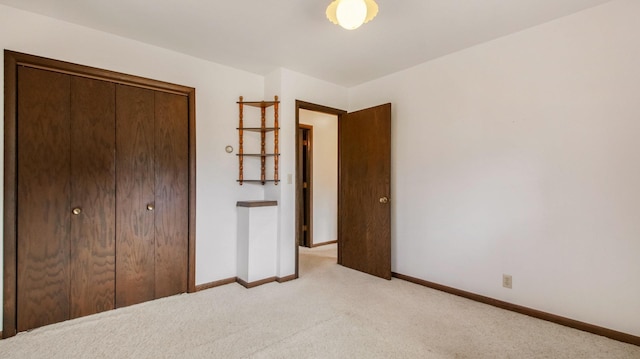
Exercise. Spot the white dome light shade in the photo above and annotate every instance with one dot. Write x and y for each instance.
(350, 14)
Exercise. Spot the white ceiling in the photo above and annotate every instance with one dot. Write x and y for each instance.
(262, 35)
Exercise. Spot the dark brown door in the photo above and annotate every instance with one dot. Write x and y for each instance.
(152, 195)
(172, 194)
(135, 197)
(98, 178)
(93, 196)
(66, 197)
(43, 195)
(364, 215)
(305, 132)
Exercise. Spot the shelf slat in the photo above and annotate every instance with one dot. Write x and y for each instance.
(259, 104)
(258, 129)
(258, 181)
(258, 154)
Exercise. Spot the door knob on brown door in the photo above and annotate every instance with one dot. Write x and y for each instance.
(384, 200)
(150, 207)
(76, 211)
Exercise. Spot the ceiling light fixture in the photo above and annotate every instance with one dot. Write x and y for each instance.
(350, 14)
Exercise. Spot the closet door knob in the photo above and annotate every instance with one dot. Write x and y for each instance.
(76, 211)
(150, 207)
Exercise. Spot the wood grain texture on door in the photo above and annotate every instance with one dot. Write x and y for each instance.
(43, 196)
(135, 176)
(364, 210)
(172, 194)
(83, 138)
(92, 148)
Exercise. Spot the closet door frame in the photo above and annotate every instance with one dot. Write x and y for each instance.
(12, 60)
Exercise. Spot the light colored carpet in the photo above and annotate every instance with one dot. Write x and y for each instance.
(330, 312)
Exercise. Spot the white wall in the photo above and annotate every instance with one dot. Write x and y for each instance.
(217, 90)
(292, 86)
(521, 156)
(325, 174)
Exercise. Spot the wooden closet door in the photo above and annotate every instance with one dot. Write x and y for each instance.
(43, 211)
(172, 193)
(92, 263)
(135, 178)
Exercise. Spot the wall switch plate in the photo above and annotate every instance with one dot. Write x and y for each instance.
(289, 178)
(507, 281)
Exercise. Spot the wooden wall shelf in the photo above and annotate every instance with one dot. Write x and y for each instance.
(263, 130)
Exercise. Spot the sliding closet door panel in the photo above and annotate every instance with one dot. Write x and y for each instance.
(135, 247)
(93, 194)
(172, 193)
(43, 196)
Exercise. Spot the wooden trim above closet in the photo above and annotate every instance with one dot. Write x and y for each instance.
(13, 60)
(96, 73)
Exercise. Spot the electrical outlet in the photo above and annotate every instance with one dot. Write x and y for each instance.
(506, 281)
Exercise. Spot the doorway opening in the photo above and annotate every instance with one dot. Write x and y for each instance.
(318, 141)
(363, 188)
(316, 176)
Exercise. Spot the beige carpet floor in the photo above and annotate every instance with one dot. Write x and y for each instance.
(330, 312)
